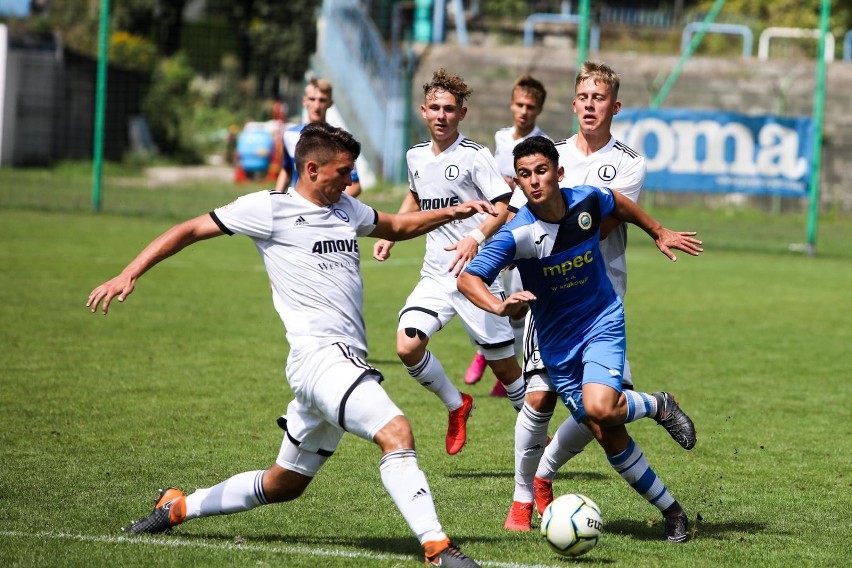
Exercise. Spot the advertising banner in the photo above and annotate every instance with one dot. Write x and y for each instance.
(717, 151)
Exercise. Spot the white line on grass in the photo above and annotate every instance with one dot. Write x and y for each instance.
(303, 551)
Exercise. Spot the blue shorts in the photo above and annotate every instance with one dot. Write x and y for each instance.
(599, 360)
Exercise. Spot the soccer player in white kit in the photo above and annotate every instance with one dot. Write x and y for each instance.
(591, 157)
(307, 239)
(527, 102)
(445, 170)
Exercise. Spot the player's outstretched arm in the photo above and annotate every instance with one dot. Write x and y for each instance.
(467, 248)
(665, 239)
(172, 241)
(404, 226)
(475, 290)
(382, 247)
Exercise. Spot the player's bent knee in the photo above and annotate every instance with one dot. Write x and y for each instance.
(541, 401)
(395, 435)
(411, 343)
(280, 484)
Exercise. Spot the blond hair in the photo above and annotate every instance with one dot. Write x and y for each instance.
(599, 73)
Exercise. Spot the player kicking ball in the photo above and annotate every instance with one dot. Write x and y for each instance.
(307, 238)
(554, 243)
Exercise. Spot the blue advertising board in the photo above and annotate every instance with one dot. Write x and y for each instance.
(717, 151)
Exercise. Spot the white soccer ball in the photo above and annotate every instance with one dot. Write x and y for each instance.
(572, 524)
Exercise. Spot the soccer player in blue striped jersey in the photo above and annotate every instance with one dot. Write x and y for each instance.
(554, 243)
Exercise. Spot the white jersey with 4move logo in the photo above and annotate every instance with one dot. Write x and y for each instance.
(312, 256)
(464, 171)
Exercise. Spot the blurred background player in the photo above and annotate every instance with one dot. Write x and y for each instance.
(447, 169)
(528, 95)
(316, 100)
(335, 390)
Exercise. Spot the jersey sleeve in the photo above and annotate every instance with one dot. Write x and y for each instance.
(487, 177)
(605, 198)
(495, 255)
(629, 180)
(518, 200)
(249, 215)
(365, 217)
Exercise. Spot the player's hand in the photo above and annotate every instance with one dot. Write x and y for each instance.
(465, 249)
(517, 304)
(381, 249)
(681, 240)
(121, 286)
(470, 208)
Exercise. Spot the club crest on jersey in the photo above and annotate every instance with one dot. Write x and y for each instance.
(341, 214)
(585, 220)
(607, 172)
(452, 172)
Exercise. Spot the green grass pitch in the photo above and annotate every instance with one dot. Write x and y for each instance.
(181, 386)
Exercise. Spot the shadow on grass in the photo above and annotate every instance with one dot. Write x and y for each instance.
(645, 530)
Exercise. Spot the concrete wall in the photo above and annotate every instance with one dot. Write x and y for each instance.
(748, 86)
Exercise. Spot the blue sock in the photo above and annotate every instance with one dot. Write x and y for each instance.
(632, 466)
(639, 405)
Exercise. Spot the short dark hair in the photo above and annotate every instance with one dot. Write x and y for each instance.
(321, 142)
(536, 145)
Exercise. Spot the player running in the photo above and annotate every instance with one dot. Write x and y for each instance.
(445, 170)
(307, 238)
(579, 318)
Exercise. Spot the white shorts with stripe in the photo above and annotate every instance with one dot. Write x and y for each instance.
(430, 307)
(336, 392)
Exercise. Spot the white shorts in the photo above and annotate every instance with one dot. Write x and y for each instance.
(430, 307)
(535, 372)
(336, 392)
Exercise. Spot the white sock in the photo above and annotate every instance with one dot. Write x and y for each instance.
(569, 440)
(639, 405)
(430, 373)
(241, 492)
(407, 486)
(530, 439)
(516, 391)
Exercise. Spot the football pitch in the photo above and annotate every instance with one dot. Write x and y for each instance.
(182, 383)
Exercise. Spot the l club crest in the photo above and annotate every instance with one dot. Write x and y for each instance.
(607, 172)
(452, 172)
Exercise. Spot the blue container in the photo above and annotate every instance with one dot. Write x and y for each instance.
(254, 150)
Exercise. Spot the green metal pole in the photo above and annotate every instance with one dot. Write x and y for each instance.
(100, 106)
(819, 110)
(582, 47)
(684, 57)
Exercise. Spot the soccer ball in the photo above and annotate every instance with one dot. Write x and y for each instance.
(572, 524)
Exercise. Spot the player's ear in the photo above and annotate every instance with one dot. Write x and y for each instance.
(560, 173)
(616, 107)
(462, 113)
